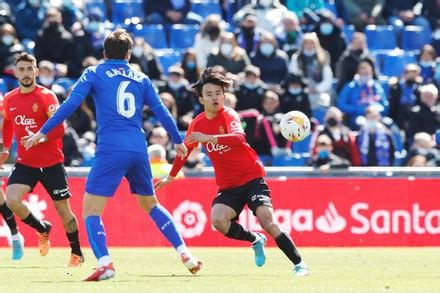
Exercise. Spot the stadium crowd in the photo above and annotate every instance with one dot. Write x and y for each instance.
(365, 71)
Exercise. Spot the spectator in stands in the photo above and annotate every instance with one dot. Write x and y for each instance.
(313, 63)
(46, 73)
(426, 116)
(362, 13)
(195, 160)
(347, 64)
(417, 161)
(82, 48)
(9, 48)
(404, 94)
(72, 155)
(304, 8)
(159, 135)
(160, 168)
(208, 38)
(29, 19)
(190, 66)
(423, 146)
(427, 63)
(362, 92)
(251, 91)
(83, 120)
(295, 95)
(430, 11)
(170, 12)
(70, 13)
(269, 13)
(229, 55)
(54, 43)
(7, 15)
(95, 27)
(180, 89)
(401, 13)
(272, 61)
(325, 158)
(150, 121)
(330, 37)
(248, 35)
(375, 140)
(145, 56)
(343, 139)
(290, 35)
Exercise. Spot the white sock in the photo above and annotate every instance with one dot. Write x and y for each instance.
(183, 249)
(257, 238)
(15, 237)
(104, 261)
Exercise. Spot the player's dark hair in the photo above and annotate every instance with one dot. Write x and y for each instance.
(117, 44)
(212, 76)
(26, 58)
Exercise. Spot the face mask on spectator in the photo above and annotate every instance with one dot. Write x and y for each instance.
(267, 49)
(93, 26)
(309, 53)
(323, 154)
(266, 3)
(326, 28)
(332, 122)
(7, 40)
(364, 78)
(46, 80)
(191, 64)
(248, 31)
(226, 49)
(250, 85)
(371, 124)
(295, 90)
(137, 51)
(358, 51)
(423, 63)
(175, 85)
(34, 3)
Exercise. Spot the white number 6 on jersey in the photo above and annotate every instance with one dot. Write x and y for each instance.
(126, 110)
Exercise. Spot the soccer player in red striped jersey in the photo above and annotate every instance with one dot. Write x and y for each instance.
(238, 172)
(26, 109)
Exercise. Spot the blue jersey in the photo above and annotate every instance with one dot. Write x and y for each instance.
(120, 94)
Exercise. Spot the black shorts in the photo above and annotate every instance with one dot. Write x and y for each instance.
(255, 193)
(53, 179)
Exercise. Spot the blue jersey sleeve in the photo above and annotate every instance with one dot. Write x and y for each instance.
(153, 101)
(69, 106)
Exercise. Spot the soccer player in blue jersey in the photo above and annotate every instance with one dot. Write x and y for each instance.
(120, 94)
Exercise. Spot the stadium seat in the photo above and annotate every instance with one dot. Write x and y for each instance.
(206, 7)
(127, 9)
(302, 146)
(348, 31)
(380, 37)
(414, 38)
(154, 35)
(91, 5)
(168, 57)
(331, 6)
(394, 63)
(182, 36)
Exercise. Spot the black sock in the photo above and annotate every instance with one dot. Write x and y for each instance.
(9, 218)
(74, 243)
(236, 231)
(288, 247)
(35, 223)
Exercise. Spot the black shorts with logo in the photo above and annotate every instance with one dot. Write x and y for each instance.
(255, 193)
(53, 179)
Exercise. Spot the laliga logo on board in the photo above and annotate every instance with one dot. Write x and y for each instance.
(190, 218)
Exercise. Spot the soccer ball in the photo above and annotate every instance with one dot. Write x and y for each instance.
(295, 126)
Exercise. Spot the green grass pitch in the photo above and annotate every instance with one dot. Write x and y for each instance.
(229, 270)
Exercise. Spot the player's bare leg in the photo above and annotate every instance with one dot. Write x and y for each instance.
(70, 224)
(93, 207)
(17, 242)
(284, 242)
(221, 219)
(165, 222)
(14, 195)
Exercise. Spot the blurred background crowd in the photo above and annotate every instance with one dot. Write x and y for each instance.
(365, 71)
